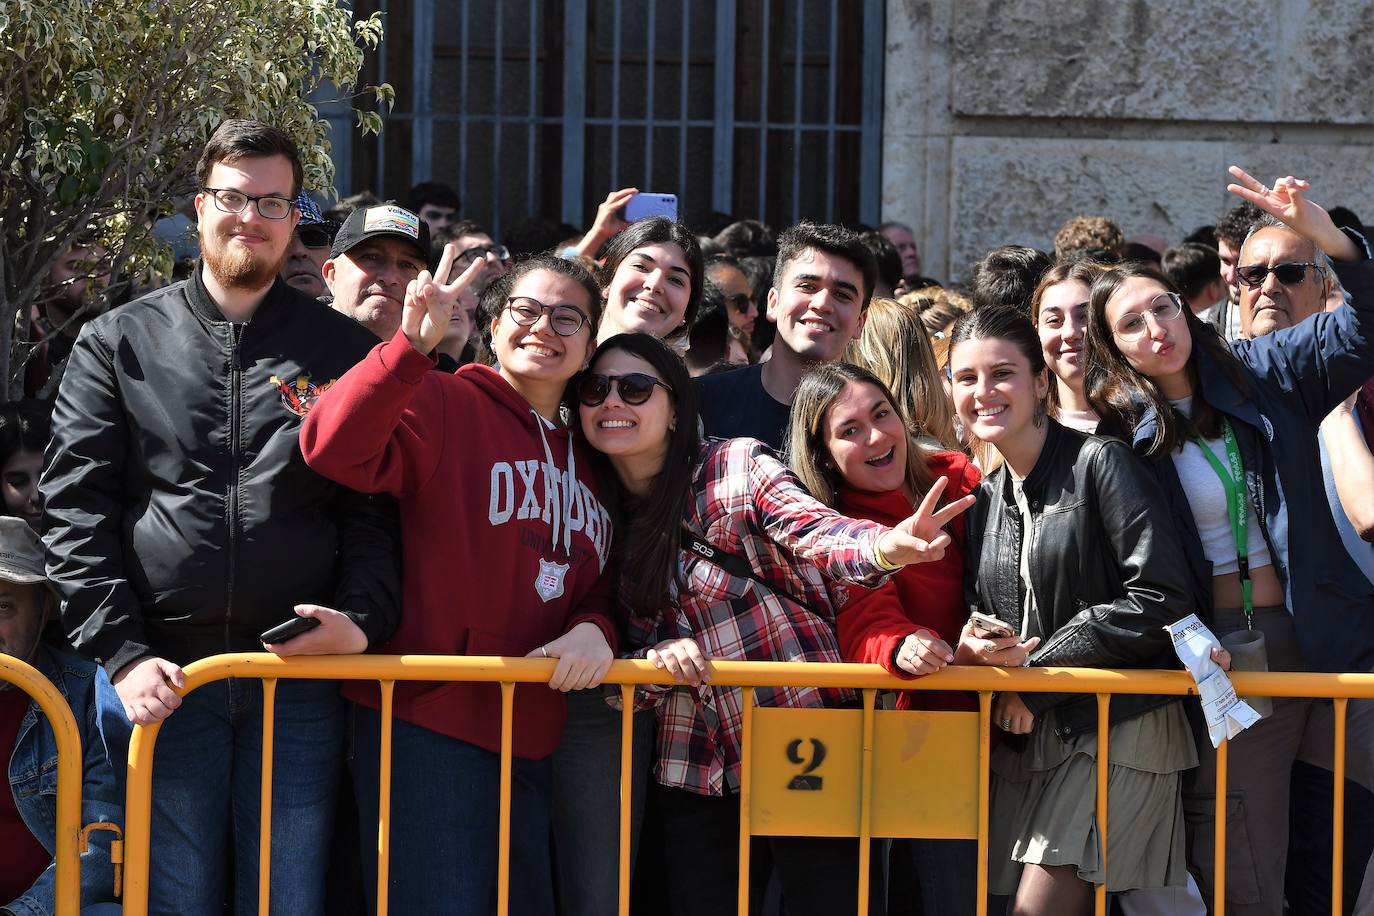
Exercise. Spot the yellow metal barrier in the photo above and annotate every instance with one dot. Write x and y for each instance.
(67, 887)
(758, 724)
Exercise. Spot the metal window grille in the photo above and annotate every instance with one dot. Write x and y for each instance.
(767, 109)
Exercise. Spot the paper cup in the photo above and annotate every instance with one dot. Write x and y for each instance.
(1248, 654)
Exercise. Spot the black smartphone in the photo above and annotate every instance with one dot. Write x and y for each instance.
(293, 627)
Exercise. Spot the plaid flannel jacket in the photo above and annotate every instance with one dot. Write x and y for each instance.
(748, 503)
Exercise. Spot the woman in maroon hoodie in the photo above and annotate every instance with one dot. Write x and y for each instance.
(505, 548)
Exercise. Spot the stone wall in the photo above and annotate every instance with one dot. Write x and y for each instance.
(1004, 119)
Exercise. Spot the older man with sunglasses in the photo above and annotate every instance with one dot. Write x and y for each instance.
(309, 249)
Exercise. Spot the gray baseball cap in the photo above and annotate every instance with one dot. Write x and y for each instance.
(21, 553)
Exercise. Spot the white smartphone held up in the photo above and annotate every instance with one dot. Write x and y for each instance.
(985, 625)
(647, 203)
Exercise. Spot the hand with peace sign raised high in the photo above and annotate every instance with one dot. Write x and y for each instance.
(919, 538)
(1287, 201)
(430, 303)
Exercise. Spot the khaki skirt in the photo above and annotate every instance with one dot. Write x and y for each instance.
(1044, 803)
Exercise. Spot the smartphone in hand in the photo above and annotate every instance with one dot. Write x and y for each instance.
(985, 626)
(293, 627)
(648, 203)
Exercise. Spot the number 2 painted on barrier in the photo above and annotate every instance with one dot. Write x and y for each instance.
(803, 781)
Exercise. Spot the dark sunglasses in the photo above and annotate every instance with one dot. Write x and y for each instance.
(634, 388)
(1287, 273)
(314, 237)
(740, 302)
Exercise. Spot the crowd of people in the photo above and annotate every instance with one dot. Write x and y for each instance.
(377, 429)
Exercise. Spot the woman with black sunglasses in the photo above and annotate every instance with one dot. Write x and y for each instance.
(1232, 436)
(506, 546)
(727, 558)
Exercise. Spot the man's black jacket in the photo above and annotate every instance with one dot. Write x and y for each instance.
(181, 518)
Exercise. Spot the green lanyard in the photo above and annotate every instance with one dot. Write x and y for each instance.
(1237, 510)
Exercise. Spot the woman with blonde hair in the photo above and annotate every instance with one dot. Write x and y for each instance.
(894, 347)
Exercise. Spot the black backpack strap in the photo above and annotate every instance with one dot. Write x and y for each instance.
(737, 566)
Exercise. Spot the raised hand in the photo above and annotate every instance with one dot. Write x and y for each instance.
(430, 303)
(1287, 201)
(918, 539)
(608, 221)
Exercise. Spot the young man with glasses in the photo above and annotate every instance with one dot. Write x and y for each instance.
(183, 523)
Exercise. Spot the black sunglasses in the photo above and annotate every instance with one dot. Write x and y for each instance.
(634, 388)
(740, 302)
(314, 236)
(1287, 273)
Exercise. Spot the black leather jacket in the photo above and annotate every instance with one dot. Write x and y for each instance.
(1105, 563)
(182, 520)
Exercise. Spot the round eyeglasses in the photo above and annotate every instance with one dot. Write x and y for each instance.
(1163, 307)
(566, 320)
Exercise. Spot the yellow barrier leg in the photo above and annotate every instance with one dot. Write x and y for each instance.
(269, 718)
(1103, 724)
(384, 804)
(866, 801)
(503, 851)
(1338, 811)
(745, 773)
(1219, 860)
(984, 776)
(627, 696)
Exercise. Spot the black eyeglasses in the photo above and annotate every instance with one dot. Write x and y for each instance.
(314, 236)
(481, 251)
(1164, 307)
(740, 302)
(634, 388)
(1287, 273)
(566, 320)
(269, 206)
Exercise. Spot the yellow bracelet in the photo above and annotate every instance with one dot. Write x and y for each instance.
(881, 560)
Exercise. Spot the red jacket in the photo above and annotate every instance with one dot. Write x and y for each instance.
(874, 622)
(481, 520)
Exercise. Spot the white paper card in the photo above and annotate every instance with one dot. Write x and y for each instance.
(1227, 714)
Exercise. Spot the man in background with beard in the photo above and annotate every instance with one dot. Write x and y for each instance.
(183, 523)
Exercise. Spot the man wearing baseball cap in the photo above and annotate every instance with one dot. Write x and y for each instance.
(376, 253)
(310, 242)
(28, 810)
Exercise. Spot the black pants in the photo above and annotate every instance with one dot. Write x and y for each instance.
(819, 875)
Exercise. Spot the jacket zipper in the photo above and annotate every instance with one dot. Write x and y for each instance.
(235, 384)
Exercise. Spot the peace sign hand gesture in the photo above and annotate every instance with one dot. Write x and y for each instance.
(430, 303)
(1287, 201)
(919, 539)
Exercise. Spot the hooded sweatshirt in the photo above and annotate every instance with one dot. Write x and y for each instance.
(875, 621)
(504, 550)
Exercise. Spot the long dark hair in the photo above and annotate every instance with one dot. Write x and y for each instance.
(659, 231)
(25, 426)
(1120, 393)
(649, 528)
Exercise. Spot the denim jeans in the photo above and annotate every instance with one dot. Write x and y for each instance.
(445, 807)
(586, 802)
(207, 774)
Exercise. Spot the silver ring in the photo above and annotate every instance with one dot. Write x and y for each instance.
(1006, 725)
(544, 650)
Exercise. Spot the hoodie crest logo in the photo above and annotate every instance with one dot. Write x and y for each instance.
(549, 583)
(298, 395)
